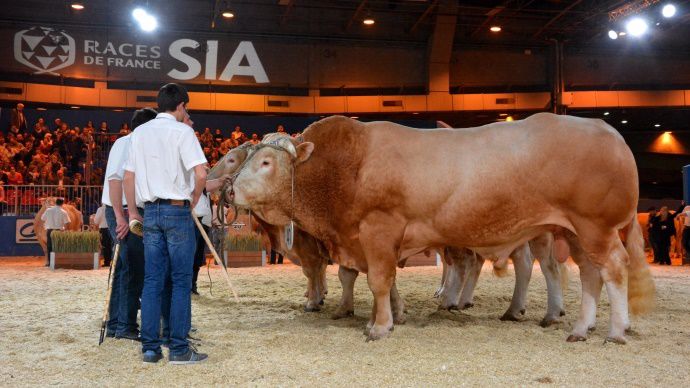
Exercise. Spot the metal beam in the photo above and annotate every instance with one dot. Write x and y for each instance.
(354, 15)
(423, 16)
(555, 18)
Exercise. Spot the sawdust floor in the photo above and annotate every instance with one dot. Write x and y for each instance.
(49, 326)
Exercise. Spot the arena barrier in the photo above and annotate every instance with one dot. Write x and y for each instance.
(26, 200)
(19, 237)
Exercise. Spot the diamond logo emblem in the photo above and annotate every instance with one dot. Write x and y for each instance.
(44, 49)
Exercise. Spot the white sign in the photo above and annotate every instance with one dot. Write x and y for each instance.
(25, 233)
(47, 50)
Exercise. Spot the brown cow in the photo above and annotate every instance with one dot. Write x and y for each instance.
(372, 192)
(75, 218)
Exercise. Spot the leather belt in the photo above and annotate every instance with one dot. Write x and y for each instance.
(173, 202)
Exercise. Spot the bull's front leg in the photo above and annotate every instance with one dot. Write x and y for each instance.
(347, 278)
(381, 281)
(313, 292)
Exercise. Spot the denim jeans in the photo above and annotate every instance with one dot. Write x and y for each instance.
(124, 300)
(169, 243)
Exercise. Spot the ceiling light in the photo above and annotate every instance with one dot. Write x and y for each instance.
(147, 22)
(354, 117)
(622, 33)
(41, 108)
(636, 27)
(80, 6)
(74, 107)
(503, 114)
(509, 118)
(228, 14)
(138, 14)
(606, 113)
(368, 21)
(613, 34)
(495, 29)
(624, 121)
(668, 11)
(657, 125)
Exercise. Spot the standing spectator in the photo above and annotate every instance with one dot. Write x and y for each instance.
(39, 128)
(18, 119)
(73, 151)
(273, 257)
(652, 233)
(89, 125)
(55, 218)
(58, 124)
(104, 127)
(106, 242)
(663, 229)
(280, 128)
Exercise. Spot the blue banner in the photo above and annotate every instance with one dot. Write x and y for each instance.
(19, 238)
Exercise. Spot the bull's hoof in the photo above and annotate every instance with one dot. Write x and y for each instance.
(339, 314)
(616, 340)
(378, 332)
(509, 317)
(448, 308)
(562, 313)
(548, 321)
(400, 319)
(591, 328)
(576, 338)
(311, 309)
(321, 302)
(467, 305)
(630, 331)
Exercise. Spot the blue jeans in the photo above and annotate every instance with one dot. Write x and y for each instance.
(169, 243)
(124, 300)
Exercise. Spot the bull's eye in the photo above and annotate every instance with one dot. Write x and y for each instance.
(231, 160)
(265, 163)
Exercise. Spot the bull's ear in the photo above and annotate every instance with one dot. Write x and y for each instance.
(304, 151)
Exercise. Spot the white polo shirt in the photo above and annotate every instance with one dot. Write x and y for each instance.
(55, 218)
(686, 213)
(163, 153)
(203, 209)
(99, 218)
(115, 169)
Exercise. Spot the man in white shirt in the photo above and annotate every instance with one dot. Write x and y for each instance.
(166, 169)
(129, 274)
(54, 218)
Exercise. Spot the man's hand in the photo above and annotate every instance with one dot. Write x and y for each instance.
(122, 228)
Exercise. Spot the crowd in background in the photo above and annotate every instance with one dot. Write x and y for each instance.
(55, 154)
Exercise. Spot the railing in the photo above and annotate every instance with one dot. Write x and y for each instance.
(26, 200)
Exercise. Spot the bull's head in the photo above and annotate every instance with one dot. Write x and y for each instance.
(265, 181)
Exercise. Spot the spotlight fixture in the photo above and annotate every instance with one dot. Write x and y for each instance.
(228, 14)
(624, 121)
(668, 11)
(622, 33)
(147, 22)
(495, 29)
(636, 27)
(657, 125)
(368, 21)
(79, 6)
(606, 113)
(613, 34)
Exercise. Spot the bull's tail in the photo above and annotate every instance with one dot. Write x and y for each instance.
(563, 276)
(641, 289)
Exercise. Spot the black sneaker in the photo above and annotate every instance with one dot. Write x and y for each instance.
(191, 357)
(152, 357)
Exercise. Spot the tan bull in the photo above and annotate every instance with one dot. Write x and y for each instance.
(75, 218)
(372, 192)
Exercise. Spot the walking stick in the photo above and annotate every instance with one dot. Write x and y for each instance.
(215, 255)
(113, 268)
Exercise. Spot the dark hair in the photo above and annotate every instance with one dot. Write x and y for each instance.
(59, 201)
(141, 116)
(170, 96)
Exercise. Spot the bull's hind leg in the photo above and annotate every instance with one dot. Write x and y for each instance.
(522, 261)
(397, 306)
(347, 278)
(454, 278)
(591, 290)
(473, 269)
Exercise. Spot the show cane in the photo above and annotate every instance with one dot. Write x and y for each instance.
(215, 255)
(113, 268)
